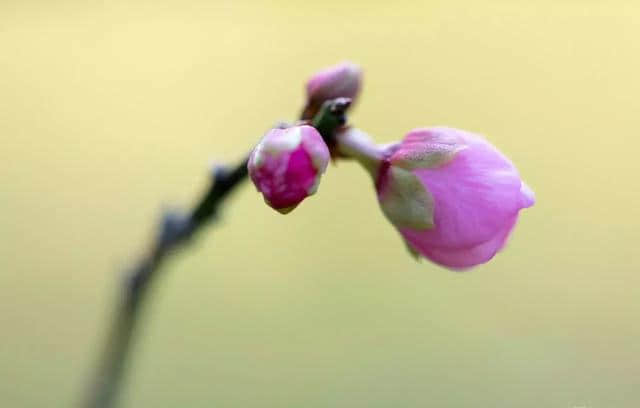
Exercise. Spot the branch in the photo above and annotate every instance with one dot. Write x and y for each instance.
(175, 230)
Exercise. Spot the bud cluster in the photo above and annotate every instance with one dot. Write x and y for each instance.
(452, 196)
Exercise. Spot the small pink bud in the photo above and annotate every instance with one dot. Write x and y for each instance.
(339, 81)
(453, 196)
(287, 164)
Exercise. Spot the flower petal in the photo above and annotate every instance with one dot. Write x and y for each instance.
(474, 196)
(472, 256)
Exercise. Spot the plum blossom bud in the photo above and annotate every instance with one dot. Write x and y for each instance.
(452, 196)
(287, 164)
(339, 81)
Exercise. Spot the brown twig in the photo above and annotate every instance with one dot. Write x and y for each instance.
(175, 230)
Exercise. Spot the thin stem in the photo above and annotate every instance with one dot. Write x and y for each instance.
(175, 230)
(356, 144)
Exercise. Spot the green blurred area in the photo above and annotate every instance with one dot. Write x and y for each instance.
(111, 112)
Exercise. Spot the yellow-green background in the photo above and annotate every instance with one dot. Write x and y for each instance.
(111, 111)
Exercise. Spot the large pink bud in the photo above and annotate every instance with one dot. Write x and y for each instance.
(453, 196)
(343, 80)
(287, 164)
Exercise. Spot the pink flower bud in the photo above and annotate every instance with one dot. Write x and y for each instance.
(453, 196)
(339, 81)
(287, 164)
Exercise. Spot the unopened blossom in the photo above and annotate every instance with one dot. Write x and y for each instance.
(453, 196)
(343, 80)
(287, 164)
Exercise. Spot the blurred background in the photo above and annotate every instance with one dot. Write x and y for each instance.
(112, 111)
